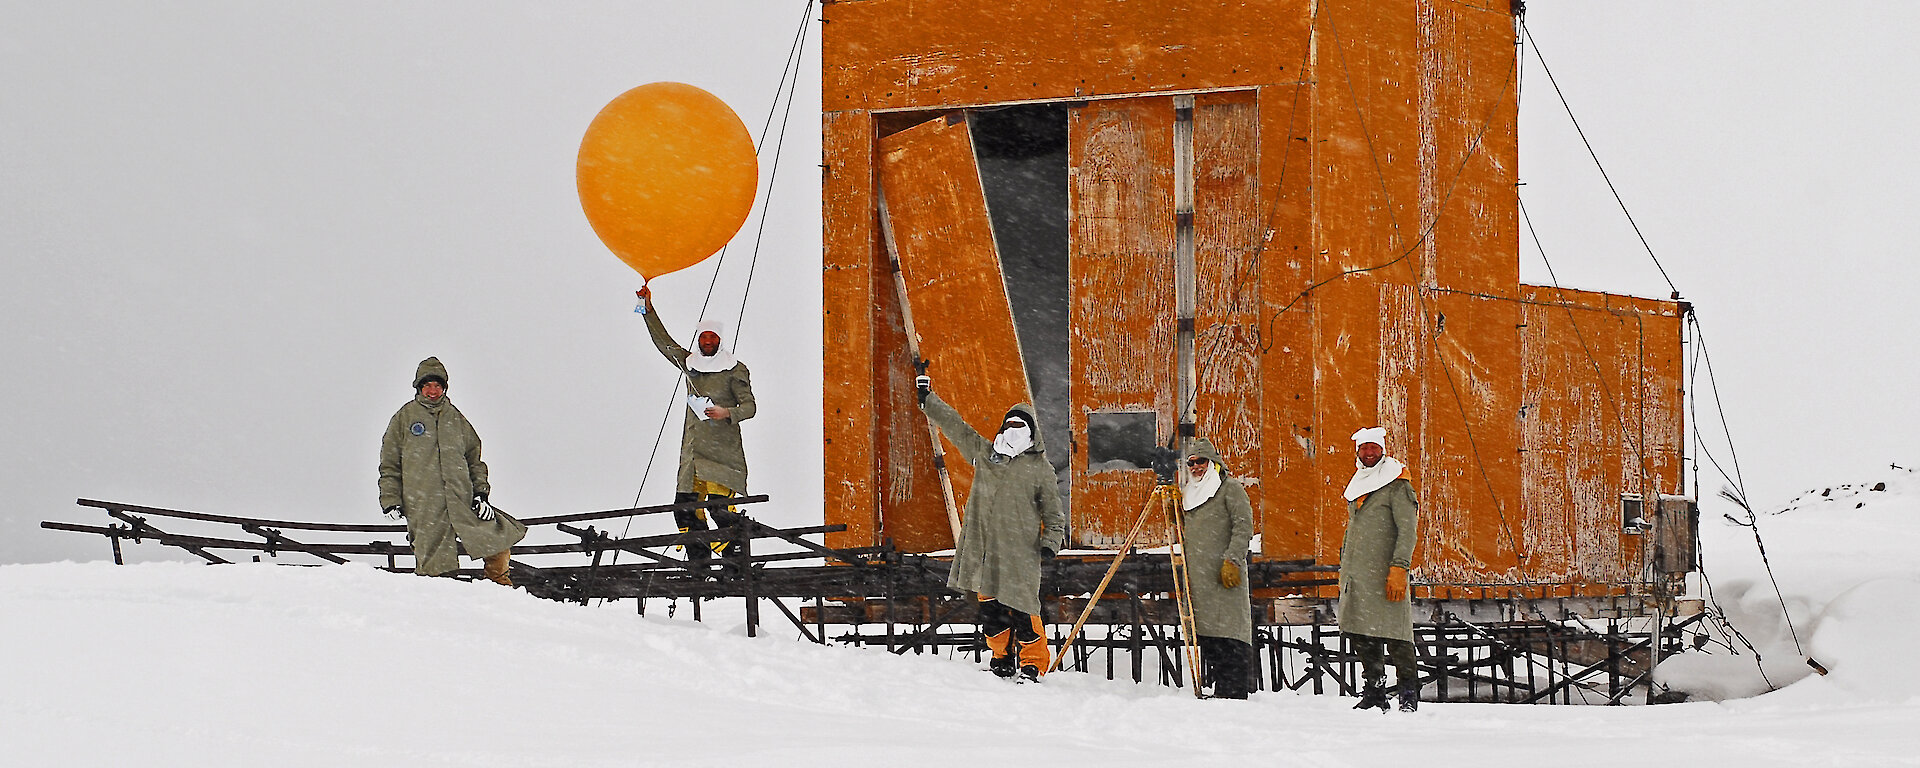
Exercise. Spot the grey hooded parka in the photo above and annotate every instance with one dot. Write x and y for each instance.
(1218, 530)
(710, 449)
(430, 467)
(1013, 511)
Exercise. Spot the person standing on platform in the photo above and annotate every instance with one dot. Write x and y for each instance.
(1013, 521)
(713, 460)
(431, 476)
(1219, 527)
(1374, 613)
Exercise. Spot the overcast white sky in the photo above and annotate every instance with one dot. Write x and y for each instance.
(232, 228)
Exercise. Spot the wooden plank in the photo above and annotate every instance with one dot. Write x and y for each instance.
(1289, 511)
(848, 274)
(1470, 453)
(890, 54)
(944, 241)
(910, 500)
(1468, 110)
(1120, 160)
(1227, 238)
(1364, 183)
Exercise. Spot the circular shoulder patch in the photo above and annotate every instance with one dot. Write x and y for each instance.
(417, 429)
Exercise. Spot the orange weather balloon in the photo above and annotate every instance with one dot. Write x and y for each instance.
(666, 175)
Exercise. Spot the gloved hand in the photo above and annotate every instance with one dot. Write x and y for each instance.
(1229, 574)
(394, 513)
(923, 385)
(1047, 553)
(485, 511)
(1396, 583)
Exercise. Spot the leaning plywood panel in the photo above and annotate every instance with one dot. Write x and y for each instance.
(847, 286)
(936, 212)
(893, 54)
(1120, 156)
(912, 506)
(1227, 233)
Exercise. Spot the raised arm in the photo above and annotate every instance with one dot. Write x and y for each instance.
(972, 446)
(669, 348)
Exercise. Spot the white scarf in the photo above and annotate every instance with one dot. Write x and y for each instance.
(1013, 441)
(720, 360)
(1369, 479)
(1197, 492)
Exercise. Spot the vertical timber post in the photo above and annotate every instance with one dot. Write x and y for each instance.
(743, 547)
(1185, 281)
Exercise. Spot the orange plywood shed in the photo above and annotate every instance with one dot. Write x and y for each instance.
(1268, 223)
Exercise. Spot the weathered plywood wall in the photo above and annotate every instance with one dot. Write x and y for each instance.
(1356, 260)
(1227, 238)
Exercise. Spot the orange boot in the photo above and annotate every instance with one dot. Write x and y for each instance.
(494, 567)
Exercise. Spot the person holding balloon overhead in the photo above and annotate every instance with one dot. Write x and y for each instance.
(713, 460)
(667, 174)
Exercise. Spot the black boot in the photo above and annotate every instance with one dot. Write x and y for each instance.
(1374, 695)
(689, 521)
(1002, 666)
(724, 519)
(1409, 696)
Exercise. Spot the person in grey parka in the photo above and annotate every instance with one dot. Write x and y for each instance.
(431, 475)
(1012, 521)
(1374, 613)
(1219, 526)
(713, 460)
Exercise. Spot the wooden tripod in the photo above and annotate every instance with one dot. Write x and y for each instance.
(1165, 499)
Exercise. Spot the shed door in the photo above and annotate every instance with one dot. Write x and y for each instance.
(942, 240)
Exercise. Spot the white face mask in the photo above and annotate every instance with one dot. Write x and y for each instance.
(1013, 441)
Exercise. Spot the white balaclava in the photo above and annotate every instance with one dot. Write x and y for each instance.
(1196, 492)
(1014, 441)
(720, 360)
(1369, 479)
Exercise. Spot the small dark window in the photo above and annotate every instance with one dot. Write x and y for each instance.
(1633, 519)
(1121, 440)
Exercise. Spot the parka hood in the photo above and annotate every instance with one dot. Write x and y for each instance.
(1203, 448)
(430, 367)
(1025, 411)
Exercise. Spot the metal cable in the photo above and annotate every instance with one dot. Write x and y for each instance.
(1528, 34)
(773, 174)
(1612, 402)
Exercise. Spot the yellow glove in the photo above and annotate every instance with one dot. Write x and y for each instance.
(1396, 583)
(1229, 574)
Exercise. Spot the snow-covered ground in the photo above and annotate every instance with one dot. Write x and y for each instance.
(177, 664)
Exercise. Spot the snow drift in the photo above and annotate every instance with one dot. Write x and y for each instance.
(178, 664)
